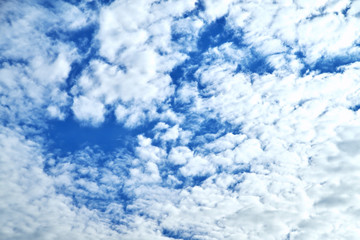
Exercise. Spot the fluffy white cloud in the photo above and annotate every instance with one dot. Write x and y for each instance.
(180, 155)
(30, 206)
(89, 110)
(288, 27)
(215, 9)
(135, 38)
(231, 153)
(35, 66)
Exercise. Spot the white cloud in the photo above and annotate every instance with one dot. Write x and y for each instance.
(187, 30)
(229, 141)
(30, 206)
(277, 163)
(36, 65)
(55, 112)
(147, 152)
(136, 37)
(215, 9)
(286, 120)
(171, 134)
(108, 85)
(91, 110)
(25, 93)
(187, 92)
(289, 27)
(180, 155)
(197, 166)
(331, 185)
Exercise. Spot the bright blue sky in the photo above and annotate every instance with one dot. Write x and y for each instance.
(179, 119)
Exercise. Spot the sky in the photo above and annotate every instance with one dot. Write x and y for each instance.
(179, 119)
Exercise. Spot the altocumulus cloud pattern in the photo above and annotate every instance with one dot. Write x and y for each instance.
(180, 119)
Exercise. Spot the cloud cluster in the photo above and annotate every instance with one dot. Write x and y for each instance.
(255, 140)
(30, 205)
(135, 38)
(35, 65)
(283, 29)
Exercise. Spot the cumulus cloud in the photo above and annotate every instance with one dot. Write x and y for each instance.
(34, 65)
(135, 38)
(289, 27)
(254, 136)
(88, 109)
(30, 204)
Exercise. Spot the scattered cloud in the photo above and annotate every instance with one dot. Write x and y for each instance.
(231, 120)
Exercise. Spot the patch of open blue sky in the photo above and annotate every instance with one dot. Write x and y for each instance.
(326, 64)
(177, 234)
(82, 37)
(216, 34)
(355, 108)
(334, 64)
(70, 135)
(11, 62)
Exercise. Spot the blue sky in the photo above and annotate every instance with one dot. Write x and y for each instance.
(179, 119)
